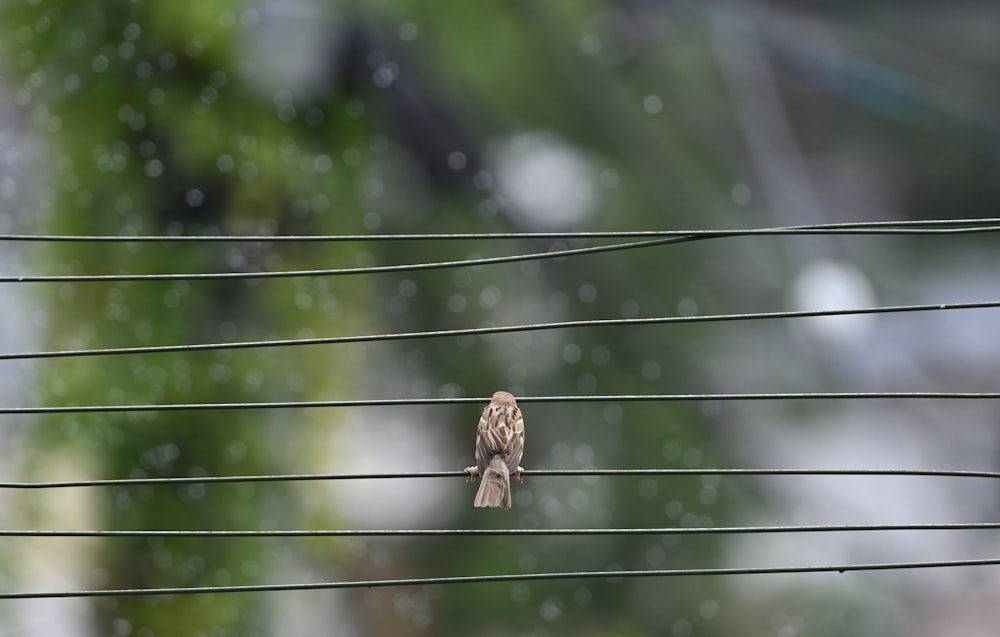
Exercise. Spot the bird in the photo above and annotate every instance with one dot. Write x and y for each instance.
(499, 446)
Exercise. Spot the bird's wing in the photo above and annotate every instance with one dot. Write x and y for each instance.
(515, 446)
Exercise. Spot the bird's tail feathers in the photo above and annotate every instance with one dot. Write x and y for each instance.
(494, 490)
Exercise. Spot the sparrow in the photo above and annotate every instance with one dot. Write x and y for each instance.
(499, 445)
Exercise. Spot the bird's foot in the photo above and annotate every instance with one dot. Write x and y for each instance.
(519, 474)
(473, 472)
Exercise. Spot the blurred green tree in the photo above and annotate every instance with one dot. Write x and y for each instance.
(164, 119)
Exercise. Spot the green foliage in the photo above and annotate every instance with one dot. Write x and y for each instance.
(151, 131)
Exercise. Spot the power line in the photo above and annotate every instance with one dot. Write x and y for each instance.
(301, 533)
(519, 577)
(375, 269)
(506, 329)
(672, 237)
(930, 226)
(130, 482)
(397, 402)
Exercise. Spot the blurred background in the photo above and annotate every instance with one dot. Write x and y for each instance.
(381, 117)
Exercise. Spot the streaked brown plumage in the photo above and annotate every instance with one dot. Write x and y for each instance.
(499, 446)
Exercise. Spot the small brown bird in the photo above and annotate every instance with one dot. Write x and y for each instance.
(499, 446)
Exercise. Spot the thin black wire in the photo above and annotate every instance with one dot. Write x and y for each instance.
(505, 329)
(930, 226)
(673, 237)
(519, 577)
(395, 402)
(375, 269)
(131, 482)
(711, 530)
